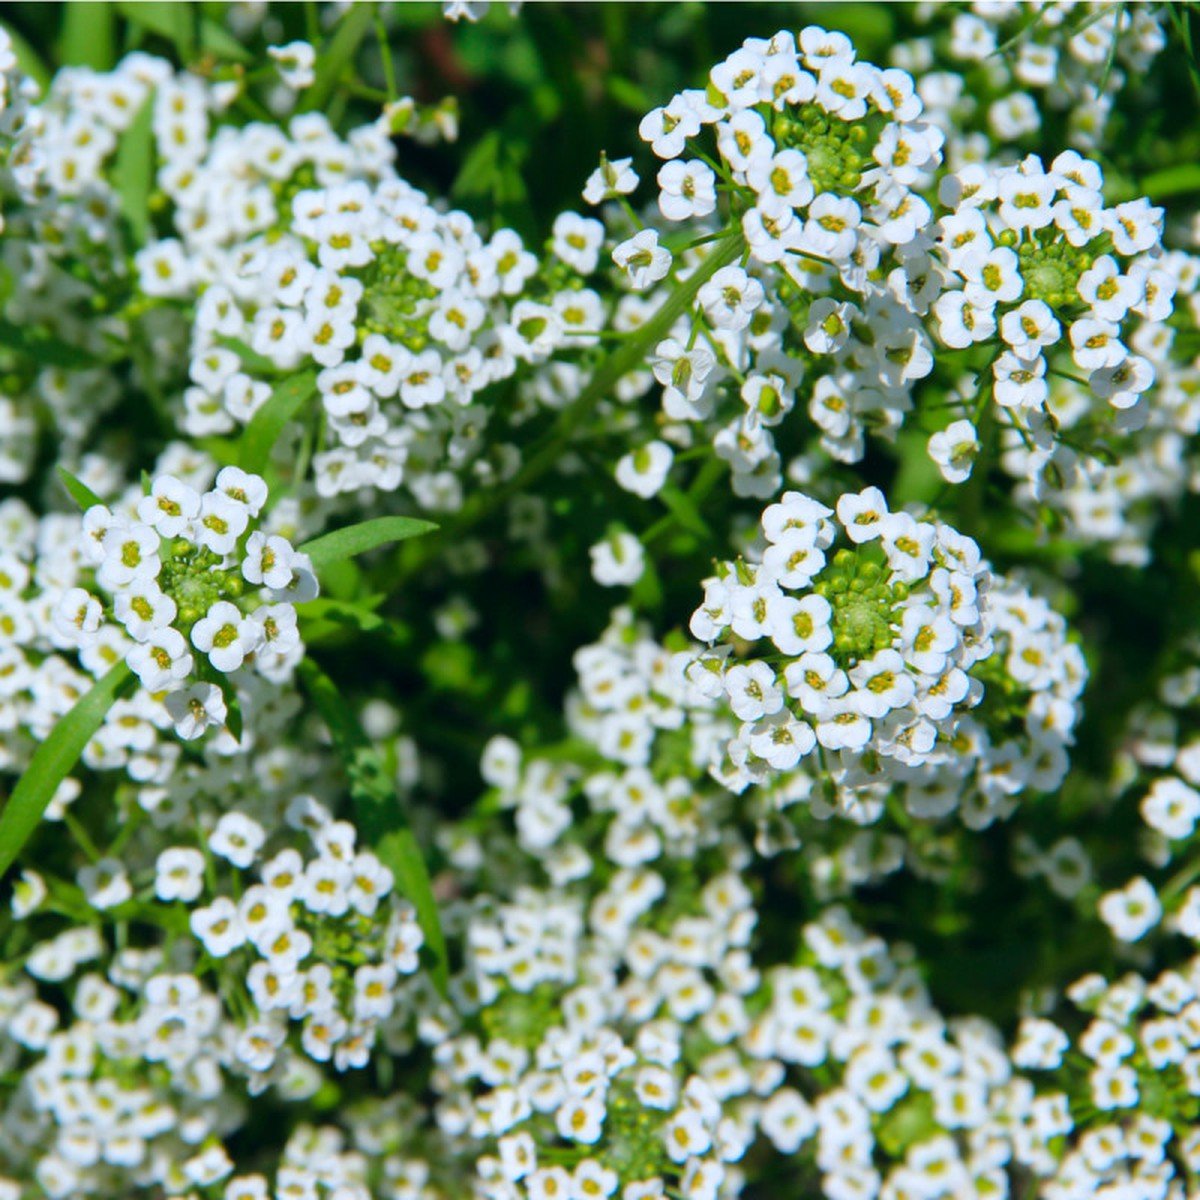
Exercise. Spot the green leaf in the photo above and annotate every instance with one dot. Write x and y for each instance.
(264, 428)
(366, 535)
(44, 347)
(133, 170)
(166, 19)
(79, 491)
(260, 364)
(53, 761)
(88, 36)
(219, 41)
(28, 58)
(1173, 181)
(685, 512)
(382, 821)
(325, 621)
(477, 175)
(335, 55)
(628, 94)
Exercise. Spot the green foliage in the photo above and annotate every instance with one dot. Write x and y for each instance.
(53, 761)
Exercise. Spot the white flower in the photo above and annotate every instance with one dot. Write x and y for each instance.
(268, 560)
(295, 61)
(954, 449)
(1123, 385)
(218, 927)
(842, 725)
(170, 507)
(1029, 328)
(816, 680)
(237, 838)
(995, 280)
(161, 661)
(882, 683)
(1131, 912)
(130, 552)
(1135, 226)
(1172, 808)
(105, 883)
(609, 180)
(752, 691)
(580, 1119)
(782, 741)
(144, 609)
(645, 470)
(221, 522)
(179, 874)
(226, 635)
(577, 241)
(194, 709)
(686, 190)
(667, 129)
(642, 260)
(800, 626)
(862, 515)
(77, 616)
(618, 560)
(730, 298)
(243, 488)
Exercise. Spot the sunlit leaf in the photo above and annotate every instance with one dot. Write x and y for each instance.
(366, 535)
(53, 761)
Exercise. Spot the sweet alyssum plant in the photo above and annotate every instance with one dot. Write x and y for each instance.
(358, 844)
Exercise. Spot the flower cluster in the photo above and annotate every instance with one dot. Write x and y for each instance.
(880, 651)
(1008, 74)
(191, 574)
(1032, 256)
(404, 314)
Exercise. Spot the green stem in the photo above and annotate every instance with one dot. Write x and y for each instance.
(548, 450)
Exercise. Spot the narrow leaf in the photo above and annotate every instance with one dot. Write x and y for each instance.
(53, 761)
(79, 491)
(381, 820)
(366, 535)
(219, 41)
(684, 510)
(259, 363)
(1172, 181)
(261, 434)
(44, 347)
(133, 170)
(88, 36)
(28, 58)
(335, 56)
(165, 19)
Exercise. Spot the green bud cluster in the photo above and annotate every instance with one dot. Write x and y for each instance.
(393, 300)
(864, 604)
(194, 578)
(838, 152)
(522, 1017)
(633, 1135)
(1051, 268)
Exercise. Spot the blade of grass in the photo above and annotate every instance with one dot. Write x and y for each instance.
(335, 55)
(88, 36)
(53, 761)
(28, 59)
(262, 432)
(79, 491)
(167, 19)
(366, 535)
(381, 820)
(134, 171)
